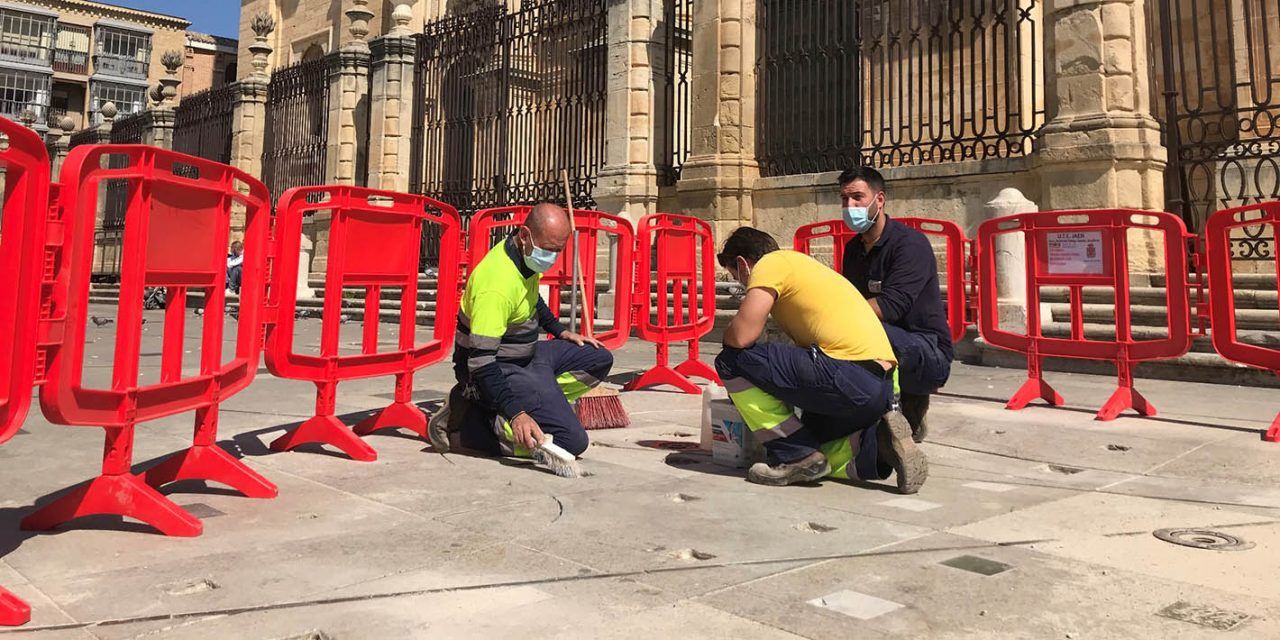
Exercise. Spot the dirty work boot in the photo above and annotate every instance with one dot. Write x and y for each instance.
(893, 439)
(812, 467)
(444, 424)
(438, 428)
(915, 409)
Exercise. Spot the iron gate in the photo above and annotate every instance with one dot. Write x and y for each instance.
(504, 101)
(896, 82)
(297, 131)
(109, 237)
(1220, 76)
(673, 90)
(202, 124)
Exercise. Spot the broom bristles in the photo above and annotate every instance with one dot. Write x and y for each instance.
(601, 408)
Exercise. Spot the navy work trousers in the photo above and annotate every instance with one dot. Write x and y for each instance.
(540, 395)
(837, 398)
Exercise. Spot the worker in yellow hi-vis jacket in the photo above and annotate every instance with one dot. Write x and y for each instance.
(513, 388)
(839, 373)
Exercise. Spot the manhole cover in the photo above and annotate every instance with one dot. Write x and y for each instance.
(1203, 539)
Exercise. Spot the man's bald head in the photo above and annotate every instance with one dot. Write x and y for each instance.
(548, 227)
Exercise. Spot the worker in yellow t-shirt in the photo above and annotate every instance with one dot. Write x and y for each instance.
(839, 372)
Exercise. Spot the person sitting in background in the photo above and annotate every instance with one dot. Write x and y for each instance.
(235, 267)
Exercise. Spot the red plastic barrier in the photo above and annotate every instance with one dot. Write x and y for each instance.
(591, 226)
(839, 233)
(1075, 249)
(671, 250)
(22, 244)
(374, 242)
(1222, 299)
(193, 216)
(959, 266)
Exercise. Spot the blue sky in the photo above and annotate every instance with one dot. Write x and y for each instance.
(218, 17)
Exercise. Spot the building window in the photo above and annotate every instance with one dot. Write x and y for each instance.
(21, 90)
(26, 37)
(71, 53)
(127, 98)
(122, 53)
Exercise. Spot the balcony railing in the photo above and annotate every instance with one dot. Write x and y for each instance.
(68, 61)
(120, 67)
(28, 54)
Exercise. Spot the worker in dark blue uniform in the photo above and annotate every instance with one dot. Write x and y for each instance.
(895, 269)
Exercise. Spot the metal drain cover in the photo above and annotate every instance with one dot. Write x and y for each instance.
(1203, 539)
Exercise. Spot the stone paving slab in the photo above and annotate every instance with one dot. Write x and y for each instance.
(662, 542)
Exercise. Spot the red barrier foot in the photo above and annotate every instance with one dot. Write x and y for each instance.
(661, 375)
(1273, 434)
(121, 495)
(212, 463)
(1125, 398)
(13, 612)
(698, 369)
(1032, 389)
(327, 430)
(399, 415)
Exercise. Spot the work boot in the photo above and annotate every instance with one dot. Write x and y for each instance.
(893, 439)
(915, 409)
(445, 423)
(812, 467)
(438, 428)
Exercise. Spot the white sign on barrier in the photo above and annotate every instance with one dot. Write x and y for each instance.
(1075, 252)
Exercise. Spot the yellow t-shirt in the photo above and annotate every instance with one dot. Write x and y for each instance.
(818, 306)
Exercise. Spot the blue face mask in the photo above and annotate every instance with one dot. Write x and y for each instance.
(541, 259)
(858, 219)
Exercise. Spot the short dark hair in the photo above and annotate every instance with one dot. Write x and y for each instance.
(748, 243)
(865, 174)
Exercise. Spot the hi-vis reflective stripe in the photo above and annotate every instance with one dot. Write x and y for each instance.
(507, 440)
(768, 417)
(840, 454)
(575, 383)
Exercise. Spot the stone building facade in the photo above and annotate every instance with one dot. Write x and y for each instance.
(209, 62)
(1059, 99)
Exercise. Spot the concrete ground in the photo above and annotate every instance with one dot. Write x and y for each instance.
(1034, 524)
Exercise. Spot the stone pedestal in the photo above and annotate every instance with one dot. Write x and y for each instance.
(1101, 146)
(717, 179)
(157, 127)
(249, 115)
(628, 182)
(1011, 261)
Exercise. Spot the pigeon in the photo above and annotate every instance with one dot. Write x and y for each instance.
(101, 322)
(199, 312)
(344, 318)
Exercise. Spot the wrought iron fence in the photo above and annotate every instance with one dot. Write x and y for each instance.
(109, 236)
(84, 136)
(297, 131)
(1220, 78)
(896, 82)
(673, 89)
(505, 101)
(202, 124)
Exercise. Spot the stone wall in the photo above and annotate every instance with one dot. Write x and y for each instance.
(956, 191)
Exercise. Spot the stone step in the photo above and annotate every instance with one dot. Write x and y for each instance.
(1153, 296)
(1157, 316)
(1199, 343)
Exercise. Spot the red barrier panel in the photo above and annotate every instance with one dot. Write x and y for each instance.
(193, 216)
(592, 225)
(677, 258)
(1222, 298)
(958, 267)
(374, 242)
(1076, 249)
(22, 245)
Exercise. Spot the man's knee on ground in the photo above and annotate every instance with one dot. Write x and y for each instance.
(727, 363)
(574, 441)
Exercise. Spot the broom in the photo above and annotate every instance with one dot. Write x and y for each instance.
(600, 407)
